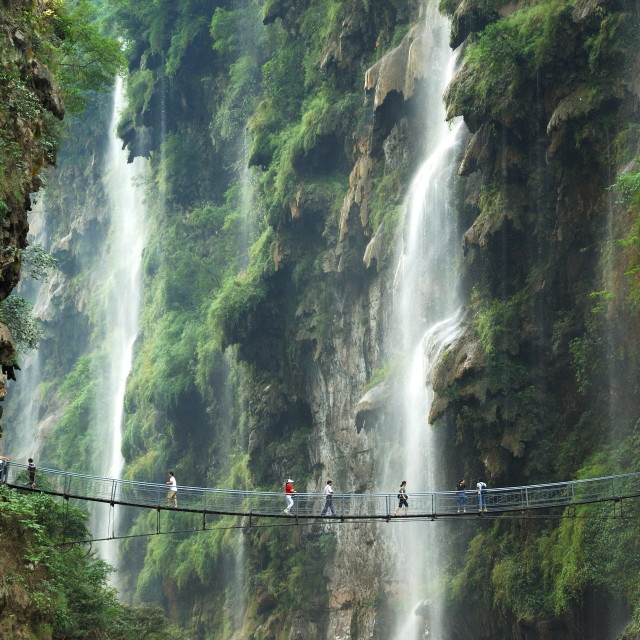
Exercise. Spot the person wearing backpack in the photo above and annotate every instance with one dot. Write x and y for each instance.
(403, 499)
(481, 487)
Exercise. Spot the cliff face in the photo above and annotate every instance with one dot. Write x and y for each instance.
(549, 97)
(276, 198)
(536, 383)
(30, 103)
(546, 151)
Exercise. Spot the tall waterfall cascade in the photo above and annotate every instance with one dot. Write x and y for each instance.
(120, 295)
(115, 292)
(426, 314)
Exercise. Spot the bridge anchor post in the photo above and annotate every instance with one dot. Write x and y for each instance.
(617, 501)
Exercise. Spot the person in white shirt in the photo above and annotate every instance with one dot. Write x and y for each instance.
(173, 489)
(328, 502)
(481, 488)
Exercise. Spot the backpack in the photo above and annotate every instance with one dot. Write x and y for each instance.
(482, 486)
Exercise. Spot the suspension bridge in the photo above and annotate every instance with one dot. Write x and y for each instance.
(348, 506)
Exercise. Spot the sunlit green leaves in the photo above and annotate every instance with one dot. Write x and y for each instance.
(17, 314)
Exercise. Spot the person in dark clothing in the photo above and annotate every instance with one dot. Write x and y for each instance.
(31, 470)
(403, 499)
(4, 469)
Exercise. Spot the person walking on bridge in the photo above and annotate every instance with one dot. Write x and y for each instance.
(461, 495)
(289, 491)
(481, 488)
(4, 469)
(173, 489)
(403, 499)
(31, 470)
(328, 503)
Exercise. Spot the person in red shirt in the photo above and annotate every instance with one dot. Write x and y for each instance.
(289, 491)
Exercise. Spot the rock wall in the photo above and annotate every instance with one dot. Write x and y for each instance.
(29, 99)
(253, 369)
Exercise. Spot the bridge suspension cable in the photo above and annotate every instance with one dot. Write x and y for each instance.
(351, 506)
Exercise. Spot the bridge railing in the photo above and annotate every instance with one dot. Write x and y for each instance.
(432, 504)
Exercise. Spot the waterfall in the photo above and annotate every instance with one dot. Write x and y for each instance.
(426, 310)
(120, 293)
(248, 204)
(22, 410)
(239, 601)
(111, 297)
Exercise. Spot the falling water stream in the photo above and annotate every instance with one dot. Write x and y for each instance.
(120, 297)
(426, 310)
(22, 410)
(115, 291)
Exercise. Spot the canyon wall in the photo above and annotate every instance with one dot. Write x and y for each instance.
(282, 139)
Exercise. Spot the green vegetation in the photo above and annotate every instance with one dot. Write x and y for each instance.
(629, 185)
(549, 398)
(502, 64)
(235, 280)
(59, 592)
(80, 54)
(36, 263)
(532, 569)
(295, 570)
(388, 198)
(251, 131)
(510, 57)
(68, 48)
(16, 313)
(75, 451)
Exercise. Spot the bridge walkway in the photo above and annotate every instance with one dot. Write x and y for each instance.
(350, 506)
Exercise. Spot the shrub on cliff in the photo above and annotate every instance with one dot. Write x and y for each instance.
(54, 591)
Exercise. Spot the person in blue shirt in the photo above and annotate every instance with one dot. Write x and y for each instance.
(461, 497)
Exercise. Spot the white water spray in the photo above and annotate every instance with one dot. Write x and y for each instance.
(120, 297)
(23, 438)
(426, 307)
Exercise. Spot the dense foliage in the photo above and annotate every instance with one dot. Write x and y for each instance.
(539, 87)
(65, 42)
(252, 116)
(62, 589)
(52, 56)
(251, 121)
